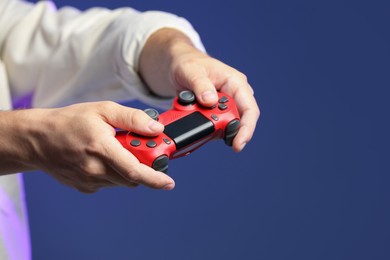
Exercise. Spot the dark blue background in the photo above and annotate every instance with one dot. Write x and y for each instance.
(313, 183)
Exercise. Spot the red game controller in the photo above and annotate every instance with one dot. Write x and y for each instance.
(188, 125)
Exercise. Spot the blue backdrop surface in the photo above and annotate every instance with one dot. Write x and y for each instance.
(312, 184)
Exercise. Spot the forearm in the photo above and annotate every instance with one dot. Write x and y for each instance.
(15, 149)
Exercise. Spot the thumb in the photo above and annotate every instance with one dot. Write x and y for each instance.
(133, 120)
(196, 79)
(129, 167)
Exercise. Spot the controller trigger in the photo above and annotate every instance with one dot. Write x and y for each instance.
(231, 131)
(161, 164)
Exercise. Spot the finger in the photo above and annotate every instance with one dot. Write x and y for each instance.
(131, 119)
(118, 180)
(99, 184)
(98, 174)
(196, 78)
(79, 182)
(245, 132)
(129, 167)
(147, 176)
(205, 91)
(93, 174)
(94, 184)
(247, 106)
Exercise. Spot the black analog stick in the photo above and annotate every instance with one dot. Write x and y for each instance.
(153, 113)
(186, 98)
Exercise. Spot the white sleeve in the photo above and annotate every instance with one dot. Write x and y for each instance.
(66, 56)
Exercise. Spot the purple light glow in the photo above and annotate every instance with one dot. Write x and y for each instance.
(23, 102)
(15, 240)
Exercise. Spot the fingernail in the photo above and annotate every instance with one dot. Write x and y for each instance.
(155, 126)
(169, 186)
(208, 96)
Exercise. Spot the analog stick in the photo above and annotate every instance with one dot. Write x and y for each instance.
(186, 98)
(153, 113)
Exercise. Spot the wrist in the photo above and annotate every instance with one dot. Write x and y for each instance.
(12, 154)
(157, 57)
(18, 132)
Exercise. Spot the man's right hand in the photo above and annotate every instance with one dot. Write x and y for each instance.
(77, 145)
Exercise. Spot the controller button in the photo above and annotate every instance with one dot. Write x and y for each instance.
(151, 144)
(167, 141)
(223, 99)
(153, 113)
(222, 106)
(135, 142)
(161, 163)
(214, 117)
(186, 98)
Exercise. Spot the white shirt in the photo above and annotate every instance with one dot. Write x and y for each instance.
(65, 56)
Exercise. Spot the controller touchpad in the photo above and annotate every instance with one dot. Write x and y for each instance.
(189, 129)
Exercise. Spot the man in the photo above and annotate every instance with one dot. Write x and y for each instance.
(64, 57)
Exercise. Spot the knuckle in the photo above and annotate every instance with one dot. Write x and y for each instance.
(238, 75)
(197, 80)
(237, 80)
(92, 150)
(94, 147)
(134, 176)
(242, 76)
(106, 104)
(92, 168)
(104, 107)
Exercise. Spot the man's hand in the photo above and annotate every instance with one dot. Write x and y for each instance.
(77, 145)
(169, 63)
